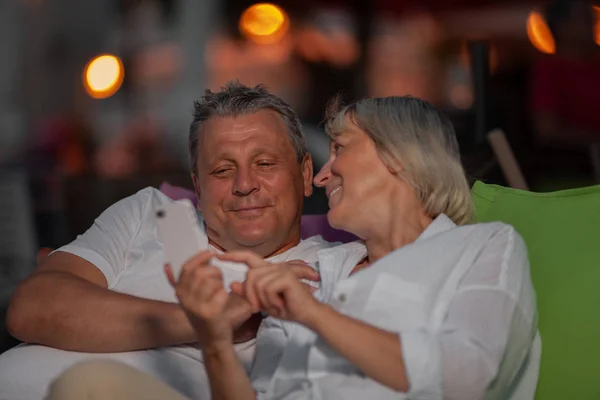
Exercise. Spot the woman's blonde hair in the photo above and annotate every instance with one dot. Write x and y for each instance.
(416, 141)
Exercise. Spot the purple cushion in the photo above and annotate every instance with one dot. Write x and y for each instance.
(178, 193)
(311, 225)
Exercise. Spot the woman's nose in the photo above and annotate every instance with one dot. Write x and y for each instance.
(321, 178)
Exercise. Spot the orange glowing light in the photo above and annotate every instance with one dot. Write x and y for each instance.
(264, 23)
(597, 25)
(539, 34)
(103, 76)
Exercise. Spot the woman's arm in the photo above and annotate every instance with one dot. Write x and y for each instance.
(275, 289)
(379, 354)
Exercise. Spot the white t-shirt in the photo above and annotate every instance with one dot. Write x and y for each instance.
(123, 244)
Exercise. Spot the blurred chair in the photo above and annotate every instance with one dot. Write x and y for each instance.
(595, 156)
(562, 233)
(506, 158)
(17, 237)
(17, 241)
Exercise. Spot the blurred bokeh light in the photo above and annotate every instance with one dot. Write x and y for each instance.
(539, 33)
(264, 23)
(597, 26)
(103, 76)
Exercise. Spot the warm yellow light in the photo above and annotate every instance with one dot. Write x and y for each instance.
(103, 76)
(539, 34)
(264, 23)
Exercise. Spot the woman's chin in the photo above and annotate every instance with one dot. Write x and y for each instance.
(335, 218)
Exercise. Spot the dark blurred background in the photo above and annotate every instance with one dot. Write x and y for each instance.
(96, 96)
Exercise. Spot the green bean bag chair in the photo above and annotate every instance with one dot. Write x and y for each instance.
(562, 232)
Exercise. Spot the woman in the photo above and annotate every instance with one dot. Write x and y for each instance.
(427, 308)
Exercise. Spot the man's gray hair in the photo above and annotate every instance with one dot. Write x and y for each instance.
(236, 99)
(416, 141)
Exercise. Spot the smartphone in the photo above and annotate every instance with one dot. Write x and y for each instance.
(179, 231)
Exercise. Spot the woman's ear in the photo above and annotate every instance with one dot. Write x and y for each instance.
(393, 166)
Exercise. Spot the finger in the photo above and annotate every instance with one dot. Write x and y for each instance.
(170, 276)
(238, 288)
(249, 258)
(309, 288)
(275, 293)
(198, 281)
(251, 292)
(305, 272)
(200, 295)
(200, 259)
(262, 286)
(296, 262)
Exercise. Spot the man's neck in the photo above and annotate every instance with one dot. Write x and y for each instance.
(265, 250)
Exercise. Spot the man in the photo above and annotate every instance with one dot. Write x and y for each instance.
(106, 292)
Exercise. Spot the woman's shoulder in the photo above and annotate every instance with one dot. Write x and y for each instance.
(497, 237)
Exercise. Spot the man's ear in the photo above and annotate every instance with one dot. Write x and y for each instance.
(307, 174)
(197, 190)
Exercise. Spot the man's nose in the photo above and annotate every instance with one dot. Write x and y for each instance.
(245, 182)
(321, 178)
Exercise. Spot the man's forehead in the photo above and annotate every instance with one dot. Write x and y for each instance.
(235, 138)
(263, 123)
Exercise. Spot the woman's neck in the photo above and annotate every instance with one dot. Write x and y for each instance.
(398, 232)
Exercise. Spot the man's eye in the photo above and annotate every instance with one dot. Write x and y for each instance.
(220, 171)
(265, 163)
(337, 147)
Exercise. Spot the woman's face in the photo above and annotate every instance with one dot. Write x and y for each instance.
(358, 184)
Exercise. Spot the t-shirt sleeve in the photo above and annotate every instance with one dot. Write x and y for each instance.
(106, 242)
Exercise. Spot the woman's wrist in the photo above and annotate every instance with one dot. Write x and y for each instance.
(315, 316)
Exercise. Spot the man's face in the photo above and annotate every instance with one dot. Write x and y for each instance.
(249, 183)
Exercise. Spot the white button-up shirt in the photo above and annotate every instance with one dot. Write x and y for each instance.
(460, 299)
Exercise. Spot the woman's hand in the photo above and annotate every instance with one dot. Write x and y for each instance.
(275, 288)
(202, 295)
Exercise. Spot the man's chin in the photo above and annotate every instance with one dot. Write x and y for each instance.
(253, 240)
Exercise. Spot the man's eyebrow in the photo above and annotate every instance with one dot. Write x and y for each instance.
(264, 151)
(218, 158)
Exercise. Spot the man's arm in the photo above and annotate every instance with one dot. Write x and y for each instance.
(66, 304)
(228, 379)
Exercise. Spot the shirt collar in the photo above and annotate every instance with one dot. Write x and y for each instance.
(442, 223)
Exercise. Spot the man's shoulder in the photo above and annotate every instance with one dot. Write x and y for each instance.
(144, 200)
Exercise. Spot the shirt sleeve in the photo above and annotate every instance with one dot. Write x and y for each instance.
(491, 315)
(106, 242)
(271, 340)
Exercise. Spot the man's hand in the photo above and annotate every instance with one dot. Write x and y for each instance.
(202, 295)
(275, 288)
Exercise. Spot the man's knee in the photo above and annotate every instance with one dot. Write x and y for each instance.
(90, 380)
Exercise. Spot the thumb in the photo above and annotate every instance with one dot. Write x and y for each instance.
(170, 276)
